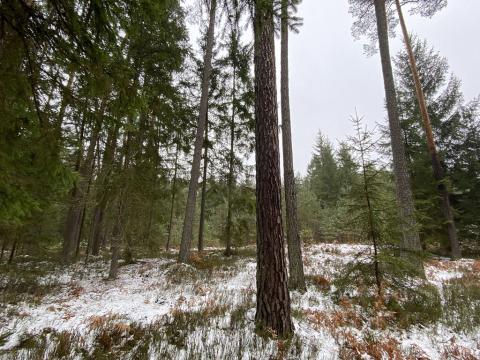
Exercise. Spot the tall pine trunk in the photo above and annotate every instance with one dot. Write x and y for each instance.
(172, 200)
(201, 227)
(273, 298)
(410, 238)
(295, 262)
(438, 172)
(197, 154)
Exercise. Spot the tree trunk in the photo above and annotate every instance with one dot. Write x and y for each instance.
(172, 202)
(197, 154)
(231, 158)
(201, 228)
(71, 223)
(295, 261)
(410, 238)
(4, 245)
(12, 252)
(273, 298)
(80, 192)
(102, 193)
(438, 172)
(116, 244)
(120, 222)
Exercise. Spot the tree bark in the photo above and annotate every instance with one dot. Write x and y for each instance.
(172, 202)
(295, 262)
(201, 228)
(273, 298)
(438, 172)
(197, 154)
(410, 238)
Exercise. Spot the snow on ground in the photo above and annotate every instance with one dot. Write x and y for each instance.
(159, 309)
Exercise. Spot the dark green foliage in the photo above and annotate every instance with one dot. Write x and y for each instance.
(453, 123)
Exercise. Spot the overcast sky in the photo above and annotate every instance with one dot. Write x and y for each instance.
(330, 76)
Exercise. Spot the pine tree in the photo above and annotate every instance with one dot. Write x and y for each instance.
(195, 172)
(438, 172)
(273, 299)
(295, 263)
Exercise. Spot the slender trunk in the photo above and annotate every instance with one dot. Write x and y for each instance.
(273, 298)
(410, 238)
(80, 230)
(116, 243)
(228, 230)
(438, 172)
(85, 169)
(120, 222)
(197, 154)
(201, 228)
(12, 252)
(4, 245)
(371, 226)
(172, 202)
(295, 261)
(69, 234)
(63, 107)
(102, 192)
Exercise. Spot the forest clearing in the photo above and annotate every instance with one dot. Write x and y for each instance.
(239, 179)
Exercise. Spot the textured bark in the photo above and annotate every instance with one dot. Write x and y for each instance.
(438, 172)
(295, 262)
(197, 154)
(201, 228)
(410, 238)
(172, 201)
(273, 298)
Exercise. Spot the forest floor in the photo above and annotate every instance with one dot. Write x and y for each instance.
(158, 309)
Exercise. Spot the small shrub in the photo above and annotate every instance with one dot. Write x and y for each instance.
(419, 305)
(462, 304)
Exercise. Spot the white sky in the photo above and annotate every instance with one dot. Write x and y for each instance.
(330, 75)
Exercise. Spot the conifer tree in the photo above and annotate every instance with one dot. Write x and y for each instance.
(197, 154)
(438, 172)
(273, 299)
(296, 276)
